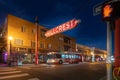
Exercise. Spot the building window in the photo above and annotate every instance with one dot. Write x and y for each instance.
(60, 48)
(43, 33)
(49, 46)
(32, 44)
(60, 38)
(66, 40)
(66, 48)
(41, 45)
(33, 31)
(18, 42)
(22, 29)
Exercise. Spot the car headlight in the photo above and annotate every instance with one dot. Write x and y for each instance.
(52, 60)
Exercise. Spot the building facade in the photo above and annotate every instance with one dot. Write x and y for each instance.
(91, 54)
(22, 44)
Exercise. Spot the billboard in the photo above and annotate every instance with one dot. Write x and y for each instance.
(62, 28)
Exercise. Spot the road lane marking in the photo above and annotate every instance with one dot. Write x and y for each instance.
(13, 76)
(51, 65)
(25, 67)
(10, 72)
(34, 79)
(7, 69)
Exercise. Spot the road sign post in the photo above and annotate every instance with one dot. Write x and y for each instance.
(110, 10)
(109, 52)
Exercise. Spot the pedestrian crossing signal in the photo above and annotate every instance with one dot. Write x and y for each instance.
(111, 11)
(107, 11)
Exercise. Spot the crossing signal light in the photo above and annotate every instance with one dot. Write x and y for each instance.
(107, 11)
(111, 11)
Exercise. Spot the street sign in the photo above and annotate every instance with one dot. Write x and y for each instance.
(111, 10)
(63, 27)
(97, 9)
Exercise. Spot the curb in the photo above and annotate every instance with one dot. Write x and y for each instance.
(103, 78)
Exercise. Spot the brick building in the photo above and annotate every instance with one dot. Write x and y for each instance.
(88, 52)
(23, 40)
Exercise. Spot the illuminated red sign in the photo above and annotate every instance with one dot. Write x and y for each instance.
(63, 27)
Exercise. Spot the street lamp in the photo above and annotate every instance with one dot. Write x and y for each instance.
(10, 50)
(36, 41)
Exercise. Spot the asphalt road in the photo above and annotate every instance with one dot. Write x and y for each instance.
(82, 71)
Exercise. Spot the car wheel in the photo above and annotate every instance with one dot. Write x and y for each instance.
(60, 62)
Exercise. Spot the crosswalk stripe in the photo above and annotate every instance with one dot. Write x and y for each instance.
(7, 70)
(50, 66)
(12, 76)
(10, 72)
(34, 79)
(26, 67)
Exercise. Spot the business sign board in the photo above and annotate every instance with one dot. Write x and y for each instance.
(62, 28)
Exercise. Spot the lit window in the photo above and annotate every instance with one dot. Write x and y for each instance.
(18, 42)
(32, 44)
(43, 33)
(22, 29)
(41, 45)
(60, 38)
(63, 56)
(49, 46)
(66, 56)
(70, 56)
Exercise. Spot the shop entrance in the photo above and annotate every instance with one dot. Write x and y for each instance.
(1, 58)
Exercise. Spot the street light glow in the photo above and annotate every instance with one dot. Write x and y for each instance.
(10, 38)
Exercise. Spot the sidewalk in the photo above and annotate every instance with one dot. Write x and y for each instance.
(34, 65)
(104, 78)
(3, 65)
(24, 65)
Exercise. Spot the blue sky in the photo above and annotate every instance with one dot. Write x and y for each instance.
(90, 32)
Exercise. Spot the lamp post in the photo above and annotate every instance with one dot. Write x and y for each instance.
(10, 50)
(36, 41)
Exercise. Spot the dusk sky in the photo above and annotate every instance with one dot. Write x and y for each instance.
(51, 13)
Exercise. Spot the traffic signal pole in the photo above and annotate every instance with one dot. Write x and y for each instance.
(109, 51)
(111, 13)
(117, 43)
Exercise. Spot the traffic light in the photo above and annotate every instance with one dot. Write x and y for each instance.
(111, 10)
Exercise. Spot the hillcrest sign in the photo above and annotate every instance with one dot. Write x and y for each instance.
(62, 28)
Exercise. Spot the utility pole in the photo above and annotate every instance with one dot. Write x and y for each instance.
(36, 40)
